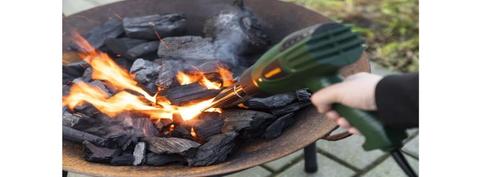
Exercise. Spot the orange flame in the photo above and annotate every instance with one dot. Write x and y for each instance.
(156, 107)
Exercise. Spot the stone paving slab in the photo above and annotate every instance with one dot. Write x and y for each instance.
(350, 150)
(252, 172)
(327, 168)
(412, 147)
(389, 168)
(278, 164)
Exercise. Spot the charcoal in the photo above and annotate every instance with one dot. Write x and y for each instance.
(207, 124)
(185, 94)
(271, 102)
(290, 108)
(162, 123)
(120, 46)
(66, 88)
(238, 119)
(124, 63)
(122, 139)
(76, 120)
(276, 128)
(124, 159)
(187, 47)
(167, 71)
(95, 153)
(78, 136)
(142, 50)
(139, 153)
(215, 150)
(97, 35)
(160, 145)
(145, 71)
(303, 95)
(155, 26)
(73, 70)
(236, 30)
(87, 75)
(180, 132)
(99, 84)
(144, 126)
(154, 159)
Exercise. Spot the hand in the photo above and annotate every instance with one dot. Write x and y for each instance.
(356, 91)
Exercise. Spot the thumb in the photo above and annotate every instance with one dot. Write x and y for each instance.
(324, 98)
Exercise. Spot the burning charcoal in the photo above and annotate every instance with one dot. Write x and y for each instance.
(180, 132)
(271, 102)
(187, 47)
(167, 71)
(139, 153)
(276, 128)
(155, 26)
(77, 136)
(99, 84)
(142, 50)
(184, 94)
(154, 159)
(215, 150)
(65, 89)
(207, 124)
(145, 71)
(303, 95)
(124, 159)
(96, 36)
(160, 145)
(289, 108)
(236, 31)
(95, 153)
(120, 46)
(238, 119)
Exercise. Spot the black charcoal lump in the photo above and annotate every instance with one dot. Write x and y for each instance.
(145, 71)
(139, 153)
(276, 128)
(154, 159)
(238, 119)
(142, 50)
(97, 35)
(167, 71)
(187, 47)
(215, 150)
(184, 94)
(236, 30)
(155, 26)
(271, 102)
(119, 46)
(95, 153)
(160, 145)
(123, 159)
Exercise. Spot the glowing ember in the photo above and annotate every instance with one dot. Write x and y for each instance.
(156, 107)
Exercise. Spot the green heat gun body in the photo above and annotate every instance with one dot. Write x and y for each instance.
(311, 58)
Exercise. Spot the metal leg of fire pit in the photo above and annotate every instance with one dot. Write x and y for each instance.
(64, 173)
(310, 161)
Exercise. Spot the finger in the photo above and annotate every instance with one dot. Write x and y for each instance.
(354, 131)
(343, 123)
(332, 115)
(324, 98)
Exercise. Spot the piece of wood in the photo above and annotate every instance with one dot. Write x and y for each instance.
(155, 26)
(206, 125)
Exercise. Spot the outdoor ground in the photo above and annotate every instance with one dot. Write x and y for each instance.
(391, 28)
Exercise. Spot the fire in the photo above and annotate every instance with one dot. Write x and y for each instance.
(130, 96)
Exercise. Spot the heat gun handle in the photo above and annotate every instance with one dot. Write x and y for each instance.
(377, 136)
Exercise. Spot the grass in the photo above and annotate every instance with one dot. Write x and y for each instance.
(390, 27)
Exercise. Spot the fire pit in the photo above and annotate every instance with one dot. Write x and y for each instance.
(279, 19)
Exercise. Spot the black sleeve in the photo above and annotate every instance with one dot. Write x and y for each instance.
(396, 97)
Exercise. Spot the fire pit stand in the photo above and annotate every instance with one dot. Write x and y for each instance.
(279, 19)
